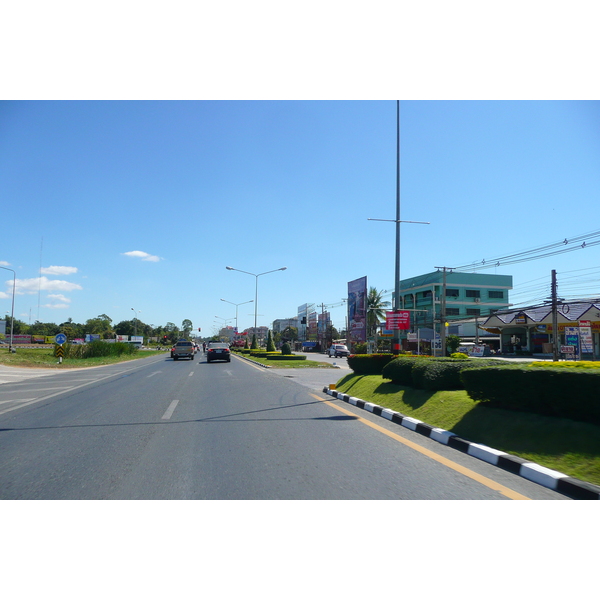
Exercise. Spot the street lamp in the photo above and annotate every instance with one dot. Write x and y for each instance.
(135, 321)
(256, 289)
(12, 314)
(236, 310)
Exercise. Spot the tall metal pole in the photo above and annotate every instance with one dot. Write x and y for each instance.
(396, 304)
(396, 341)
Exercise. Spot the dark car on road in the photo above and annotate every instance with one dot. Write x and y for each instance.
(218, 351)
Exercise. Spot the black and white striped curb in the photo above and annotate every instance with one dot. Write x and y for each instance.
(554, 480)
(254, 362)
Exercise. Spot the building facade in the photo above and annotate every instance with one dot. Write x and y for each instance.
(463, 300)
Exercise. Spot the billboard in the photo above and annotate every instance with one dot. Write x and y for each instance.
(397, 319)
(357, 309)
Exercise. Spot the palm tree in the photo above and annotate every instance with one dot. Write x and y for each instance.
(375, 310)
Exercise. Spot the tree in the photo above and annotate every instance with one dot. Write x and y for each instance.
(452, 343)
(186, 327)
(254, 345)
(270, 344)
(375, 310)
(290, 333)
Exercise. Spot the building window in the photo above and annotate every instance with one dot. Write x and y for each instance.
(451, 293)
(496, 294)
(473, 312)
(473, 294)
(452, 312)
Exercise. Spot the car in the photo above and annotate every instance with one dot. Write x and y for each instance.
(218, 351)
(338, 350)
(183, 348)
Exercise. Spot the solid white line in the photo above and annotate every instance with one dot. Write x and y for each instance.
(170, 410)
(153, 374)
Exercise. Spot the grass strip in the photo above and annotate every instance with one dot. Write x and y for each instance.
(43, 358)
(290, 364)
(570, 447)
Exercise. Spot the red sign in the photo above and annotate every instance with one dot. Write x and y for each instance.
(397, 319)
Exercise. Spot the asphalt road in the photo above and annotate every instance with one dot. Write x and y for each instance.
(160, 429)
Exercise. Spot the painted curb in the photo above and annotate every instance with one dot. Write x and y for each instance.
(254, 362)
(554, 480)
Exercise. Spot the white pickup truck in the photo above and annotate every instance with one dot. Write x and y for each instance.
(182, 349)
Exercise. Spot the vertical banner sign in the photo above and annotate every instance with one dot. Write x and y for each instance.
(357, 309)
(397, 319)
(572, 338)
(585, 337)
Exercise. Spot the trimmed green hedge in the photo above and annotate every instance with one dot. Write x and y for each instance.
(565, 393)
(430, 373)
(400, 369)
(369, 364)
(279, 356)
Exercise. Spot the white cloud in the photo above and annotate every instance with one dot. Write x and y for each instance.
(33, 285)
(59, 297)
(3, 263)
(57, 306)
(3, 295)
(142, 255)
(54, 270)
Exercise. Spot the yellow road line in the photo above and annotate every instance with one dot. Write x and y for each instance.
(490, 483)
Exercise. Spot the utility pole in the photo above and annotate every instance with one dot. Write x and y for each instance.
(443, 311)
(555, 336)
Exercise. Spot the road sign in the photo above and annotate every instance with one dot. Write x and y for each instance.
(60, 338)
(59, 352)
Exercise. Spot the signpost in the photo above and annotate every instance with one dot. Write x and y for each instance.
(60, 339)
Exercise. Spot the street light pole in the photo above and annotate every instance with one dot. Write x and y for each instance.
(396, 340)
(12, 314)
(256, 288)
(135, 321)
(236, 309)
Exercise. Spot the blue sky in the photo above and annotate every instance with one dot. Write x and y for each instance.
(142, 204)
(141, 155)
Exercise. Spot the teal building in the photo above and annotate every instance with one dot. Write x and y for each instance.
(470, 298)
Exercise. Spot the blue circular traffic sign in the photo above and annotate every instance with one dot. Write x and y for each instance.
(60, 338)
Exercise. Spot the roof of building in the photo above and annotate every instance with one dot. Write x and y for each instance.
(567, 312)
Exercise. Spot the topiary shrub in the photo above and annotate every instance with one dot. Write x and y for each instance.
(270, 344)
(286, 349)
(369, 364)
(399, 370)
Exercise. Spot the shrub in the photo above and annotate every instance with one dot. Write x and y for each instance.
(559, 392)
(428, 373)
(97, 348)
(399, 370)
(286, 349)
(270, 344)
(460, 355)
(369, 364)
(438, 374)
(278, 356)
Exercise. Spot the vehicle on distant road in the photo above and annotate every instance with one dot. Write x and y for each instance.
(338, 350)
(218, 351)
(183, 349)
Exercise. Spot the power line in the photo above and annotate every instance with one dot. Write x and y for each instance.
(579, 242)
